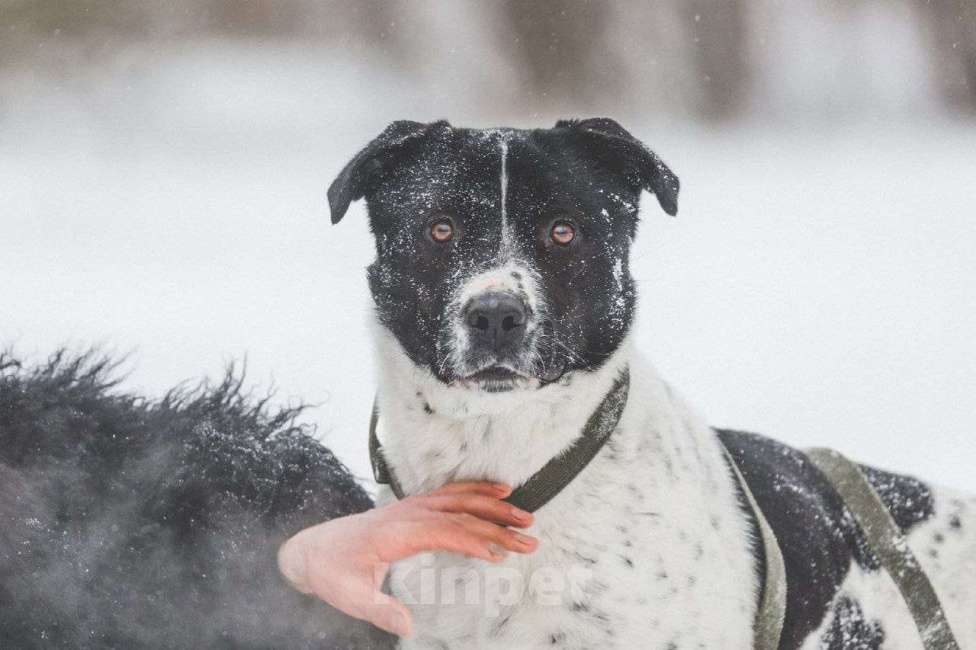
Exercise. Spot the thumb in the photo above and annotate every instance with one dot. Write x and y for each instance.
(388, 613)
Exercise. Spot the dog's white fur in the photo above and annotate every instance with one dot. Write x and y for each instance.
(655, 497)
(647, 547)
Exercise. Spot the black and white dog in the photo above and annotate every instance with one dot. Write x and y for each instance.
(503, 303)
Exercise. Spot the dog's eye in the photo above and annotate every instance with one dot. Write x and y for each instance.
(442, 230)
(563, 233)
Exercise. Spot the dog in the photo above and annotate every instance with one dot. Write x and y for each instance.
(149, 524)
(503, 307)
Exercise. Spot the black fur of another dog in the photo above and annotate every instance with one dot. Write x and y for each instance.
(130, 523)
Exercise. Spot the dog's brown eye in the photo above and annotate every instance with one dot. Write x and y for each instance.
(563, 233)
(442, 230)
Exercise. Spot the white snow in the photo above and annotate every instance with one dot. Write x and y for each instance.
(818, 285)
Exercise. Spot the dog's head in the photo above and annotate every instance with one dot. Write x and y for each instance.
(502, 254)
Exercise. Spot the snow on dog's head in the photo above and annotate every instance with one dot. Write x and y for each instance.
(502, 254)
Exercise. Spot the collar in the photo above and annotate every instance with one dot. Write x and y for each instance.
(554, 475)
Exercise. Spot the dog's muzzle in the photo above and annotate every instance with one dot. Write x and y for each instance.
(493, 330)
(496, 324)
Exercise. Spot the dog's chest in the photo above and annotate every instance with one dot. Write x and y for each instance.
(643, 547)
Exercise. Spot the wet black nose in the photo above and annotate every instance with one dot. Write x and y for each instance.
(496, 320)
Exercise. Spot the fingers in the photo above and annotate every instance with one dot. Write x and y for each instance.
(483, 507)
(440, 533)
(291, 563)
(388, 613)
(460, 533)
(499, 536)
(468, 518)
(486, 488)
(359, 596)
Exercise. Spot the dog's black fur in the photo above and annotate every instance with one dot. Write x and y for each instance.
(127, 523)
(817, 536)
(414, 174)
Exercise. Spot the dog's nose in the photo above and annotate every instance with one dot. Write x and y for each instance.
(496, 319)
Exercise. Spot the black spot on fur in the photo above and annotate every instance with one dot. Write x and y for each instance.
(601, 617)
(500, 626)
(427, 409)
(908, 500)
(584, 558)
(850, 630)
(955, 522)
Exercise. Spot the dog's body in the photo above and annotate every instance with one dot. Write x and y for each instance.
(504, 300)
(650, 546)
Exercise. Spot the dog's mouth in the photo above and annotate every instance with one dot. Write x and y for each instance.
(495, 379)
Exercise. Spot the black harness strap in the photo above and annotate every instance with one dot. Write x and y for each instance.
(381, 472)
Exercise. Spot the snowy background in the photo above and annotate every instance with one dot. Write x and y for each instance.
(163, 174)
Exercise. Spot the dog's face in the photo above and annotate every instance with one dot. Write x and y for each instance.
(502, 254)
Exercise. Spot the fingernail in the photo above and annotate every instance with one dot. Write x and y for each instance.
(521, 515)
(524, 540)
(503, 489)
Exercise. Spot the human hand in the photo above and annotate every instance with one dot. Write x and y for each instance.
(345, 561)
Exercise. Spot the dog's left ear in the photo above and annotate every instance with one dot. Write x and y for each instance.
(360, 176)
(604, 139)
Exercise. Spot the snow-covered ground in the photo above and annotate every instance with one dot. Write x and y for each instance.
(819, 284)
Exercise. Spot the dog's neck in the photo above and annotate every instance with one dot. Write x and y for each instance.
(659, 482)
(434, 434)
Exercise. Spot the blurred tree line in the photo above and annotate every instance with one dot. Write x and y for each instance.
(689, 55)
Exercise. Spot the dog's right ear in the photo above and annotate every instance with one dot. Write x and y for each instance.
(614, 144)
(367, 167)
